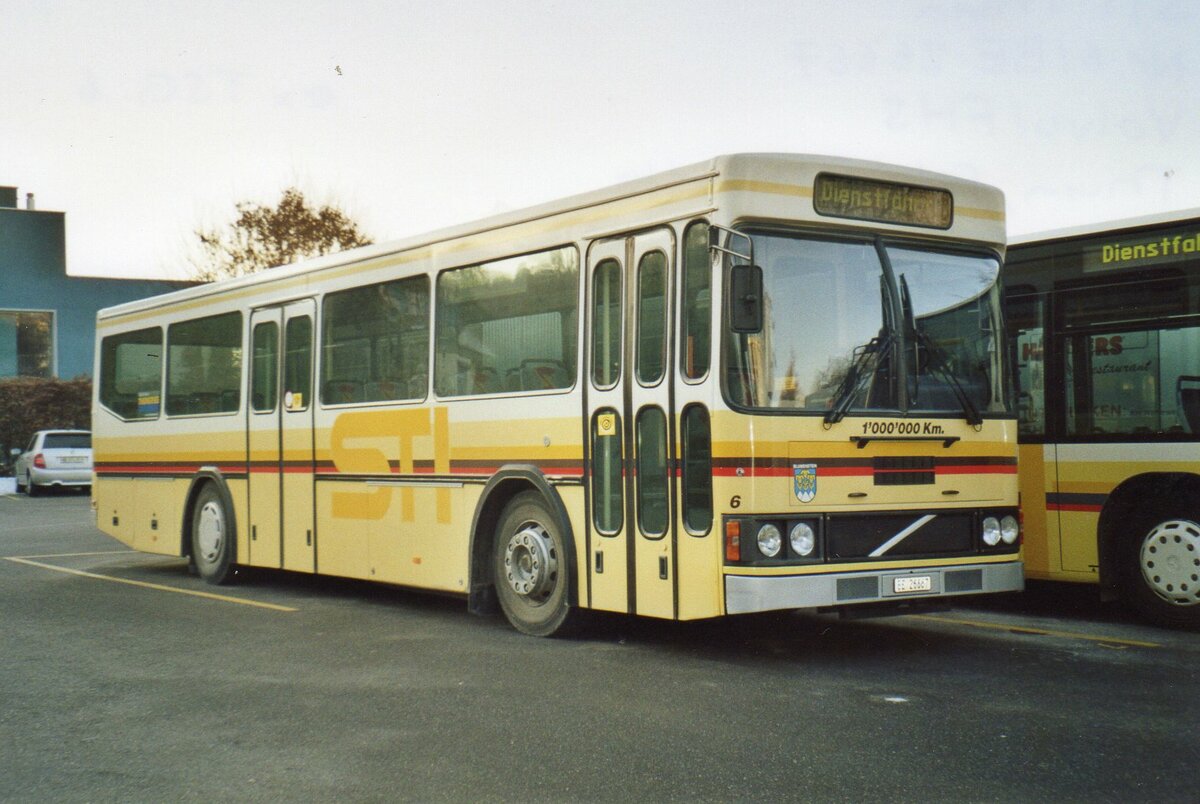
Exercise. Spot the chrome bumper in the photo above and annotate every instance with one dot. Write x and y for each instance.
(745, 594)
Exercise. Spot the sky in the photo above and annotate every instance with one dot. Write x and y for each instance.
(144, 121)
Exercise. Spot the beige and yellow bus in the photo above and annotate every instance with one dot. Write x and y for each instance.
(1105, 327)
(760, 382)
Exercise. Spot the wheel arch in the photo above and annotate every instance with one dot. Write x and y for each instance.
(1135, 494)
(506, 484)
(199, 481)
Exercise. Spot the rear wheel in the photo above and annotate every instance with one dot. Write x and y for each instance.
(30, 488)
(212, 537)
(531, 568)
(1162, 565)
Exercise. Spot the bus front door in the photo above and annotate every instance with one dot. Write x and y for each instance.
(631, 566)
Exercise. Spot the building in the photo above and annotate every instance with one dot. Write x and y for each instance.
(47, 318)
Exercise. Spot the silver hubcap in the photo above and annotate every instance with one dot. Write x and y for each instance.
(1171, 561)
(530, 563)
(210, 532)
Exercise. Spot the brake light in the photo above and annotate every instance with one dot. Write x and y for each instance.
(39, 461)
(733, 540)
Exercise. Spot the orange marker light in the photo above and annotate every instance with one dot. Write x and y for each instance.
(733, 540)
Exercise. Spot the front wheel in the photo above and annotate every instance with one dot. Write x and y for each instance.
(212, 537)
(531, 568)
(1162, 567)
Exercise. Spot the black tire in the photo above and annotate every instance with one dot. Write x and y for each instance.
(532, 570)
(1160, 565)
(213, 537)
(30, 488)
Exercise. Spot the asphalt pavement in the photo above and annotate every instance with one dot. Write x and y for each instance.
(124, 678)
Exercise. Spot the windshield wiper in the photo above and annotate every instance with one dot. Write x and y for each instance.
(937, 357)
(937, 362)
(879, 345)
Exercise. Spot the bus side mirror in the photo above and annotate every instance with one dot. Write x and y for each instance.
(745, 299)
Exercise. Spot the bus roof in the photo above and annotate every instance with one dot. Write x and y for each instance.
(1140, 222)
(980, 200)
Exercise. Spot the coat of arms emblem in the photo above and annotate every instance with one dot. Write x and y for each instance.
(804, 481)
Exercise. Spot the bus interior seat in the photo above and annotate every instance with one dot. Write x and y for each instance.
(540, 374)
(339, 392)
(485, 380)
(378, 390)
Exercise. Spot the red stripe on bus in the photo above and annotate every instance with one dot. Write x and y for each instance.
(861, 471)
(976, 469)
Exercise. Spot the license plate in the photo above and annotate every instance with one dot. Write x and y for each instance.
(912, 583)
(74, 459)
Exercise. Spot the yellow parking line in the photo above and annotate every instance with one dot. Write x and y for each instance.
(1024, 629)
(158, 586)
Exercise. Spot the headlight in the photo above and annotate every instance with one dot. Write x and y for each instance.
(803, 540)
(1009, 529)
(769, 540)
(991, 531)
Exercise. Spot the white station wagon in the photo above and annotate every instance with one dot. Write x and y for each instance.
(54, 458)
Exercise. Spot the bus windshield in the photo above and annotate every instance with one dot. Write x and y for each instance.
(844, 321)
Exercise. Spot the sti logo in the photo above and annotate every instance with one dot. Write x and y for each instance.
(804, 481)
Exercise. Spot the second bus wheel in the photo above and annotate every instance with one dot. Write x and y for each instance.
(531, 569)
(212, 536)
(1161, 558)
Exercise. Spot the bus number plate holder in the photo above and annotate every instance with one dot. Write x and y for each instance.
(909, 584)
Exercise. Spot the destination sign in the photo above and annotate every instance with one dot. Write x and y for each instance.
(882, 201)
(1114, 253)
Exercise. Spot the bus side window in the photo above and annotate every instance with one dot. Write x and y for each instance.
(264, 367)
(508, 325)
(697, 469)
(1026, 325)
(204, 358)
(606, 324)
(651, 318)
(131, 370)
(375, 342)
(653, 504)
(695, 315)
(608, 498)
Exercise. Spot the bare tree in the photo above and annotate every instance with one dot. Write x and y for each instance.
(264, 237)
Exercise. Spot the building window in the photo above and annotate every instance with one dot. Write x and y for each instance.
(26, 343)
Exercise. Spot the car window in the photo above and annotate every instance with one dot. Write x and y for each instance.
(67, 441)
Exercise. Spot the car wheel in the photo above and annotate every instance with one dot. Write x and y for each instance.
(1162, 566)
(212, 537)
(30, 488)
(531, 568)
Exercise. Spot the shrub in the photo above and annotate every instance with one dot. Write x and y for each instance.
(29, 404)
